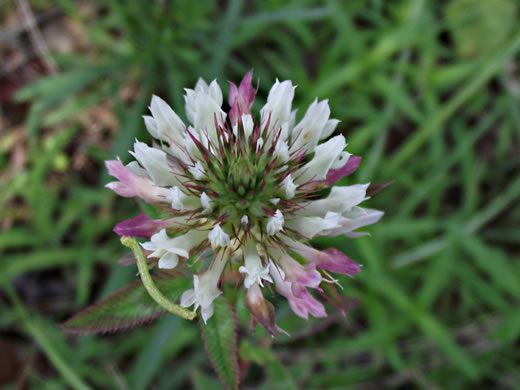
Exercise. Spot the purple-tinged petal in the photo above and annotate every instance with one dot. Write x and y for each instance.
(120, 189)
(131, 184)
(233, 93)
(241, 98)
(262, 311)
(295, 272)
(140, 226)
(302, 303)
(335, 175)
(330, 259)
(336, 261)
(306, 302)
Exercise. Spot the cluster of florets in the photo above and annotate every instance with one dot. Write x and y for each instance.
(250, 190)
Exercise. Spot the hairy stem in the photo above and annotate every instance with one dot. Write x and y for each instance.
(150, 286)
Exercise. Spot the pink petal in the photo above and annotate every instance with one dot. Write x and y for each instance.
(330, 259)
(241, 98)
(140, 226)
(131, 184)
(336, 261)
(305, 275)
(301, 301)
(305, 302)
(335, 175)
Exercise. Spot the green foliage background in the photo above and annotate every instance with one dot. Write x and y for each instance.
(427, 92)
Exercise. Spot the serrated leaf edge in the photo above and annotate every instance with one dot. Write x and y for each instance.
(235, 349)
(111, 329)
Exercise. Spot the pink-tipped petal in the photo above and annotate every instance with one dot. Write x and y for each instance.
(308, 276)
(301, 301)
(330, 259)
(140, 226)
(306, 302)
(295, 272)
(241, 98)
(233, 93)
(336, 261)
(335, 175)
(131, 184)
(120, 189)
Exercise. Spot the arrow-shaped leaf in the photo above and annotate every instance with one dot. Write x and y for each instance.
(220, 340)
(126, 308)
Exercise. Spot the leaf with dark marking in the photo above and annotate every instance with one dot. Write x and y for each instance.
(126, 308)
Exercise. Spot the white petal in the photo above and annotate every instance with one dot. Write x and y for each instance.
(259, 143)
(253, 267)
(202, 105)
(289, 187)
(197, 171)
(188, 298)
(206, 111)
(177, 198)
(156, 164)
(206, 287)
(340, 200)
(180, 245)
(325, 156)
(276, 272)
(157, 241)
(205, 202)
(244, 220)
(218, 237)
(207, 312)
(275, 223)
(168, 123)
(281, 150)
(168, 261)
(278, 106)
(201, 86)
(248, 124)
(354, 219)
(151, 126)
(191, 104)
(216, 93)
(312, 226)
(340, 161)
(310, 128)
(136, 168)
(189, 144)
(287, 127)
(329, 128)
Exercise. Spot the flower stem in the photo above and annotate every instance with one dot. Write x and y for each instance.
(149, 284)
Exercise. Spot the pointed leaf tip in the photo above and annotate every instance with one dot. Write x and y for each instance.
(126, 308)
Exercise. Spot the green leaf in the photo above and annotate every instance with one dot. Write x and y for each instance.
(126, 308)
(220, 340)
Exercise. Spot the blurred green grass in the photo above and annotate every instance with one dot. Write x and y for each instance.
(427, 93)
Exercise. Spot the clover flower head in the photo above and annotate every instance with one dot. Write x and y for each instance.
(247, 188)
